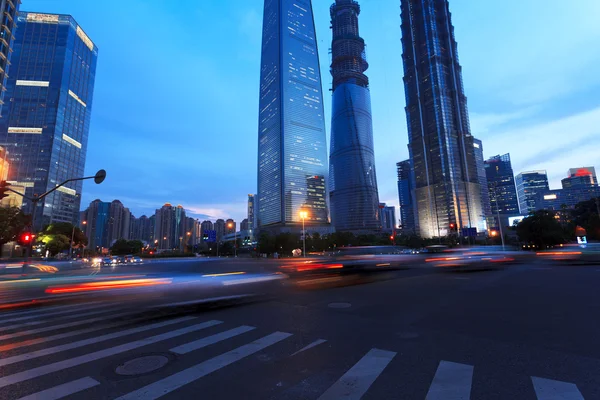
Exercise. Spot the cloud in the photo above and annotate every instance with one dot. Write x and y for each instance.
(555, 146)
(482, 123)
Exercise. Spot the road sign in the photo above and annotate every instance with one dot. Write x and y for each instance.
(212, 236)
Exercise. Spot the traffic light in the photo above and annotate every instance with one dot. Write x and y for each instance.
(26, 238)
(3, 189)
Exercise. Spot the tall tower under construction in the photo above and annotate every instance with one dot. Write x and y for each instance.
(354, 200)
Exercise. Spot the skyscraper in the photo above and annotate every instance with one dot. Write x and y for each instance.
(482, 178)
(170, 227)
(205, 226)
(501, 185)
(352, 179)
(97, 224)
(292, 148)
(251, 211)
(46, 119)
(8, 10)
(405, 197)
(529, 184)
(440, 144)
(387, 217)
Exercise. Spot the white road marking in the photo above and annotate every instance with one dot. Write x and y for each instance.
(41, 310)
(70, 316)
(61, 326)
(64, 390)
(180, 379)
(548, 389)
(85, 342)
(310, 346)
(207, 341)
(86, 358)
(45, 313)
(452, 381)
(358, 379)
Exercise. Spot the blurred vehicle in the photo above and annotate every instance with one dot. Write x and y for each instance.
(473, 259)
(353, 259)
(573, 254)
(130, 259)
(108, 261)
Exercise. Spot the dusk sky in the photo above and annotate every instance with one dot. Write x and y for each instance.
(175, 110)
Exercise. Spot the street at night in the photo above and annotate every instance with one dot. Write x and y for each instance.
(525, 331)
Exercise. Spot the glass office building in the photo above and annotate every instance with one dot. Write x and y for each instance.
(482, 178)
(46, 117)
(501, 185)
(352, 179)
(529, 185)
(292, 148)
(8, 12)
(405, 197)
(447, 189)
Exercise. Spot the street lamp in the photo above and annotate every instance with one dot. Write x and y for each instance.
(98, 179)
(303, 215)
(230, 225)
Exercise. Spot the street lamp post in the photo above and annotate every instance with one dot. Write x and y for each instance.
(230, 225)
(98, 179)
(303, 215)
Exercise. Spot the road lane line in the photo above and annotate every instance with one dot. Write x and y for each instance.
(452, 381)
(310, 346)
(85, 342)
(180, 379)
(61, 326)
(358, 379)
(97, 355)
(64, 390)
(548, 389)
(47, 314)
(207, 341)
(41, 310)
(70, 316)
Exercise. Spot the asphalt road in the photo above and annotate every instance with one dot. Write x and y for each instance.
(524, 332)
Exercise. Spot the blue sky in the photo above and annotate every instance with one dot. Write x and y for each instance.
(176, 96)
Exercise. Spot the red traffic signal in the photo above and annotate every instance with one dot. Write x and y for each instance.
(26, 238)
(3, 189)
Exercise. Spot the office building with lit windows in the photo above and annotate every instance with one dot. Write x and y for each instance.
(46, 116)
(501, 185)
(447, 191)
(405, 197)
(529, 185)
(292, 148)
(352, 179)
(8, 10)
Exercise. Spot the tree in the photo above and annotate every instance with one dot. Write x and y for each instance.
(541, 229)
(586, 214)
(12, 222)
(54, 244)
(65, 229)
(123, 247)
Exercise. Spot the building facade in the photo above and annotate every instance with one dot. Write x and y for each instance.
(501, 185)
(8, 10)
(251, 212)
(405, 197)
(97, 227)
(446, 188)
(46, 119)
(529, 185)
(244, 224)
(580, 185)
(353, 192)
(219, 227)
(205, 226)
(482, 178)
(170, 227)
(387, 217)
(292, 148)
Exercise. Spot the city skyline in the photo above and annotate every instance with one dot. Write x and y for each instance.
(550, 103)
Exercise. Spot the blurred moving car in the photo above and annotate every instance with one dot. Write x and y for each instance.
(573, 254)
(131, 259)
(474, 259)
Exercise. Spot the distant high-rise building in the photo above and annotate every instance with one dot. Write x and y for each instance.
(97, 226)
(292, 144)
(219, 227)
(501, 185)
(529, 185)
(486, 207)
(446, 188)
(387, 215)
(405, 197)
(580, 185)
(118, 222)
(46, 123)
(8, 10)
(251, 212)
(584, 171)
(170, 227)
(244, 225)
(141, 229)
(352, 179)
(192, 231)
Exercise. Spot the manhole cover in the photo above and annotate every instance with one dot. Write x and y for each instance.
(339, 305)
(142, 365)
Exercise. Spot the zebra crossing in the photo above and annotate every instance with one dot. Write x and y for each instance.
(65, 352)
